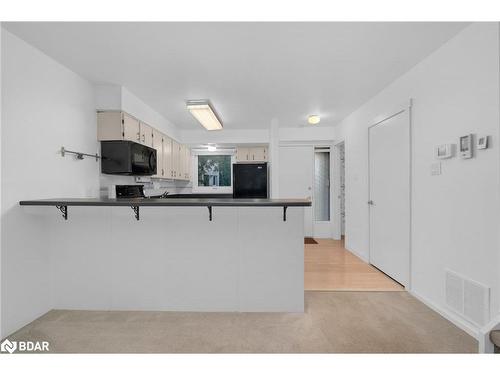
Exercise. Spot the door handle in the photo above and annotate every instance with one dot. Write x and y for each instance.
(370, 202)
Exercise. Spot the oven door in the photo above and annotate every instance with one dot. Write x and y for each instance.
(143, 160)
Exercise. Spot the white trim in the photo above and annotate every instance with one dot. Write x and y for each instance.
(336, 212)
(485, 344)
(305, 143)
(449, 315)
(218, 152)
(323, 229)
(359, 255)
(211, 189)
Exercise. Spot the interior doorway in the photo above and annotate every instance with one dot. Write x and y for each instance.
(296, 171)
(322, 195)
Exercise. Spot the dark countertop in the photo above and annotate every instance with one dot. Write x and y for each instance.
(199, 202)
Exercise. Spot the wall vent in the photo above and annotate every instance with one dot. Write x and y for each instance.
(468, 298)
(455, 292)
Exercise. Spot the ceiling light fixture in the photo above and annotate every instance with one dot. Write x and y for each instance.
(203, 111)
(313, 119)
(212, 148)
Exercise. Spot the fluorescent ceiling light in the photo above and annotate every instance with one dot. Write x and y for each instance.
(211, 148)
(313, 119)
(203, 111)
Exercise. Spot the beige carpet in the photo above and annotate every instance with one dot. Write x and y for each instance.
(334, 322)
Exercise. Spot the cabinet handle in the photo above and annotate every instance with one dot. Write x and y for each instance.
(138, 136)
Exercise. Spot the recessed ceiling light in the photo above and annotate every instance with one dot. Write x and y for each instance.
(313, 119)
(203, 111)
(211, 148)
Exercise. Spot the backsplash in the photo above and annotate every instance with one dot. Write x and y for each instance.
(154, 187)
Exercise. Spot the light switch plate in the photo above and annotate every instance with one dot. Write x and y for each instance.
(436, 169)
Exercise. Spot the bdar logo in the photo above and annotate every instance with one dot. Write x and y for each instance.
(8, 346)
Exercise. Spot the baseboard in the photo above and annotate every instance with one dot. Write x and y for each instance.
(450, 316)
(363, 257)
(22, 324)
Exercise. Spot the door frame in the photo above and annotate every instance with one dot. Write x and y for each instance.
(405, 108)
(331, 177)
(336, 212)
(312, 145)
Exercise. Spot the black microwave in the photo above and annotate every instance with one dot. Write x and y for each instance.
(127, 158)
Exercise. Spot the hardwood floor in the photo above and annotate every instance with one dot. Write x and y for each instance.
(329, 266)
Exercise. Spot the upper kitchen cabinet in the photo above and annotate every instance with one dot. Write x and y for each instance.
(157, 144)
(258, 154)
(186, 163)
(176, 160)
(146, 133)
(167, 157)
(181, 161)
(242, 153)
(251, 154)
(117, 126)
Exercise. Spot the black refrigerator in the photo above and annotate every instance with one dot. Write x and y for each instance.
(250, 180)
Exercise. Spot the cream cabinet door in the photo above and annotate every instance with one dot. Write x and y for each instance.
(175, 160)
(110, 126)
(182, 162)
(257, 154)
(167, 157)
(157, 143)
(188, 163)
(242, 154)
(146, 134)
(264, 154)
(131, 128)
(180, 172)
(186, 160)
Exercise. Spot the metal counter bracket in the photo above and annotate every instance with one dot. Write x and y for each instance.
(284, 212)
(64, 210)
(136, 211)
(209, 213)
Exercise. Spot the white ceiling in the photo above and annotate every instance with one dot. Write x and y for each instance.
(252, 72)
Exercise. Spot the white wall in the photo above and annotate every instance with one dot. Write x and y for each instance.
(455, 91)
(309, 133)
(226, 136)
(1, 63)
(44, 106)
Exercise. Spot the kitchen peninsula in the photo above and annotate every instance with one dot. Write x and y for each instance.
(174, 254)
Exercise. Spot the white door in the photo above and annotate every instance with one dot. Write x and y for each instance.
(296, 178)
(389, 198)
